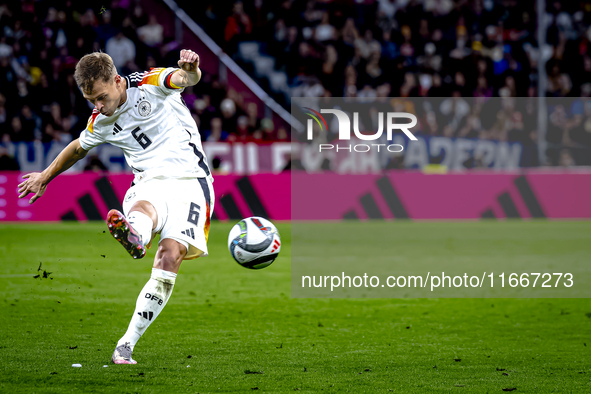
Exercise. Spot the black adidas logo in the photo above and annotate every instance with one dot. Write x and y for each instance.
(116, 129)
(386, 188)
(370, 206)
(146, 315)
(88, 205)
(189, 233)
(249, 195)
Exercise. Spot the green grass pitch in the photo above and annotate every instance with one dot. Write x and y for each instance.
(228, 329)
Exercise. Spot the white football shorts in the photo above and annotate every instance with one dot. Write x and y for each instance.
(184, 207)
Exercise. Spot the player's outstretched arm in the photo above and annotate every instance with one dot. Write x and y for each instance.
(36, 182)
(189, 73)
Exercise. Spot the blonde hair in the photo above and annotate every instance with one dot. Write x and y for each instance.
(96, 66)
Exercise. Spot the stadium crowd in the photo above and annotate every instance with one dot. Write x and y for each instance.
(332, 48)
(417, 48)
(41, 42)
(423, 48)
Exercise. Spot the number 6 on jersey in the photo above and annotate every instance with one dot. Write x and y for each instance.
(143, 139)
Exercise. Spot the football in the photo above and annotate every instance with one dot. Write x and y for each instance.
(254, 242)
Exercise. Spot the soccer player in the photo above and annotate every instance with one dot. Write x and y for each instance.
(171, 194)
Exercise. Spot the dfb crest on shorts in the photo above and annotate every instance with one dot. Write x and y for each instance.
(144, 108)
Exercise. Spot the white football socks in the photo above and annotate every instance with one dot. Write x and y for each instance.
(142, 224)
(151, 301)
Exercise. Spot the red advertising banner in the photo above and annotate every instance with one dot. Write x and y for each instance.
(329, 196)
(89, 196)
(462, 195)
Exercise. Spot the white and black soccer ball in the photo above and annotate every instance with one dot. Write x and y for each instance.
(254, 242)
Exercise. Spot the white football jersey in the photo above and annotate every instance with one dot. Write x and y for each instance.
(154, 128)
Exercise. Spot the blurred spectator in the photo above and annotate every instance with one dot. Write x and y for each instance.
(151, 33)
(282, 134)
(252, 113)
(325, 31)
(22, 92)
(139, 16)
(238, 26)
(557, 127)
(121, 49)
(3, 116)
(390, 50)
(242, 133)
(268, 130)
(105, 30)
(332, 71)
(16, 133)
(559, 83)
(30, 124)
(7, 162)
(229, 116)
(581, 123)
(5, 49)
(305, 62)
(215, 132)
(566, 159)
(69, 96)
(409, 87)
(55, 119)
(349, 33)
(454, 109)
(366, 46)
(482, 88)
(204, 109)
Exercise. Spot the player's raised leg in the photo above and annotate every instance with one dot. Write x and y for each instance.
(152, 298)
(135, 231)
